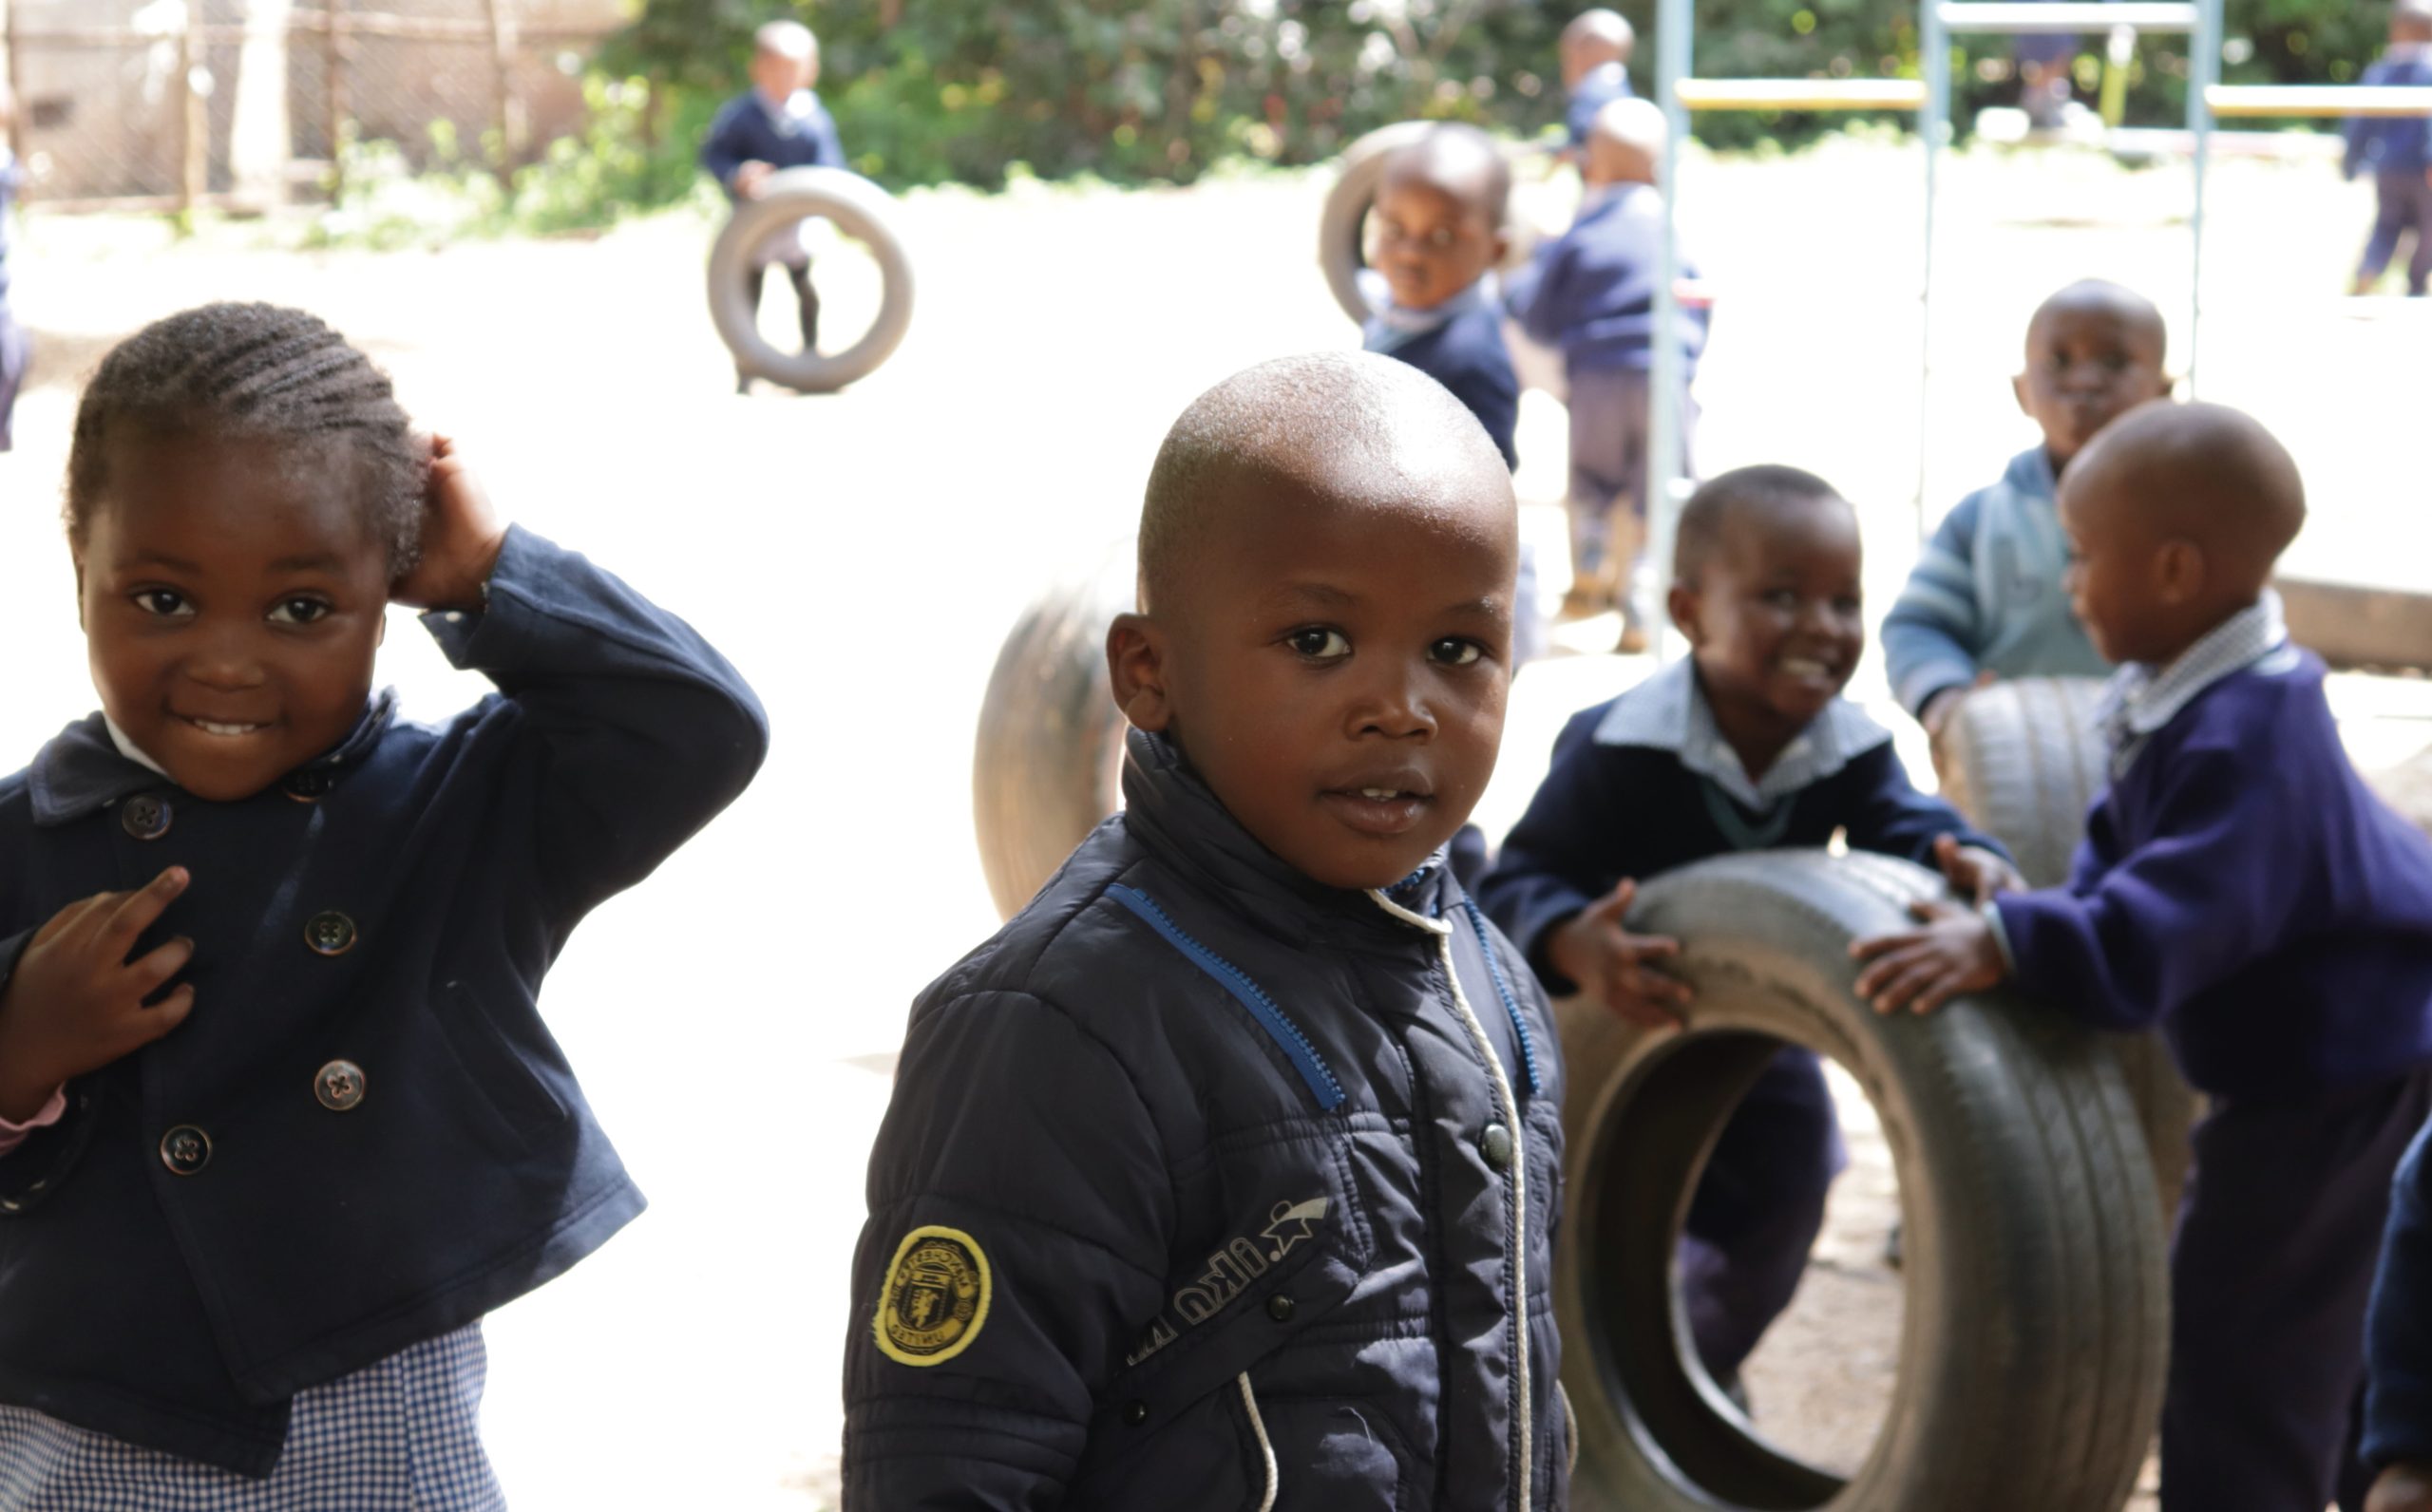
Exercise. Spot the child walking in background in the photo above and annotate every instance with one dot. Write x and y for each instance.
(1596, 48)
(1985, 598)
(1591, 292)
(1253, 1017)
(780, 123)
(278, 1119)
(2242, 889)
(1746, 745)
(2398, 151)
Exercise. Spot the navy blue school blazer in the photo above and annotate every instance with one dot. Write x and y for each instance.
(363, 1137)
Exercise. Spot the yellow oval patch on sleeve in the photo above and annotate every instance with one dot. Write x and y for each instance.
(935, 1297)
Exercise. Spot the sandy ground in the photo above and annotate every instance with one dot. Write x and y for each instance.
(860, 556)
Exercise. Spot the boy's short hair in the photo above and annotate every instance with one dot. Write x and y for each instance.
(785, 39)
(1605, 28)
(1301, 417)
(2412, 16)
(1460, 161)
(2126, 303)
(1632, 123)
(2206, 472)
(1720, 499)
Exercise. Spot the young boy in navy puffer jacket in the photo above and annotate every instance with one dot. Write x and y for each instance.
(1228, 1169)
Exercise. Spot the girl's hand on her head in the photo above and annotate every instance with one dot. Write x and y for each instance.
(1922, 968)
(1616, 967)
(75, 1003)
(2402, 1488)
(460, 536)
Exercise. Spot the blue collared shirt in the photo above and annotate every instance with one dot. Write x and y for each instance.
(1669, 712)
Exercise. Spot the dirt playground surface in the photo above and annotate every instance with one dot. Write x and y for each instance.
(860, 558)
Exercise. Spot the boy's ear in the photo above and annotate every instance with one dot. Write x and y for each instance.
(2179, 571)
(1681, 603)
(1501, 245)
(2018, 389)
(1136, 666)
(76, 553)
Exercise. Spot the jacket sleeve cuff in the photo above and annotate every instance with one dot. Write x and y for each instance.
(1992, 911)
(1534, 946)
(1921, 685)
(12, 1135)
(2398, 1426)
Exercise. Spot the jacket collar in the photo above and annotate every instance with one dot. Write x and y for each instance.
(1175, 816)
(1603, 201)
(2141, 698)
(1393, 325)
(81, 768)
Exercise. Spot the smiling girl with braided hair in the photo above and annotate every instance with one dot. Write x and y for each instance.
(280, 1120)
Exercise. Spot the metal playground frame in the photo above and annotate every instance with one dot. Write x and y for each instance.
(1678, 92)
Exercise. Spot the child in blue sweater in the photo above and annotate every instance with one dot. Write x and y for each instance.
(1985, 600)
(1591, 292)
(2239, 887)
(1745, 745)
(779, 125)
(2398, 149)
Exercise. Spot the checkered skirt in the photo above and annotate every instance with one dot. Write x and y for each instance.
(402, 1435)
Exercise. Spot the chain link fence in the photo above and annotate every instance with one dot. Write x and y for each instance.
(244, 103)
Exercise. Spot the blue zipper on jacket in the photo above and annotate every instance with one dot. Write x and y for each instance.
(1285, 1034)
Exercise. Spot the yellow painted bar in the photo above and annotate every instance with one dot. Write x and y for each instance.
(2296, 99)
(1804, 94)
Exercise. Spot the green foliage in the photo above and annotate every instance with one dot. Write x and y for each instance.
(977, 91)
(633, 154)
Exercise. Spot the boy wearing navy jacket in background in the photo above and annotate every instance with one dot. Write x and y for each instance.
(2241, 888)
(2398, 149)
(779, 124)
(1745, 745)
(1591, 292)
(1439, 233)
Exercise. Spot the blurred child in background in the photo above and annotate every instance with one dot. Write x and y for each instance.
(779, 124)
(2398, 149)
(1591, 292)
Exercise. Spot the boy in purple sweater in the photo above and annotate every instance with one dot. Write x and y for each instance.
(2239, 887)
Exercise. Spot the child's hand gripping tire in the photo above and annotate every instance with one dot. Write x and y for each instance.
(857, 208)
(2024, 760)
(2035, 1330)
(1048, 764)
